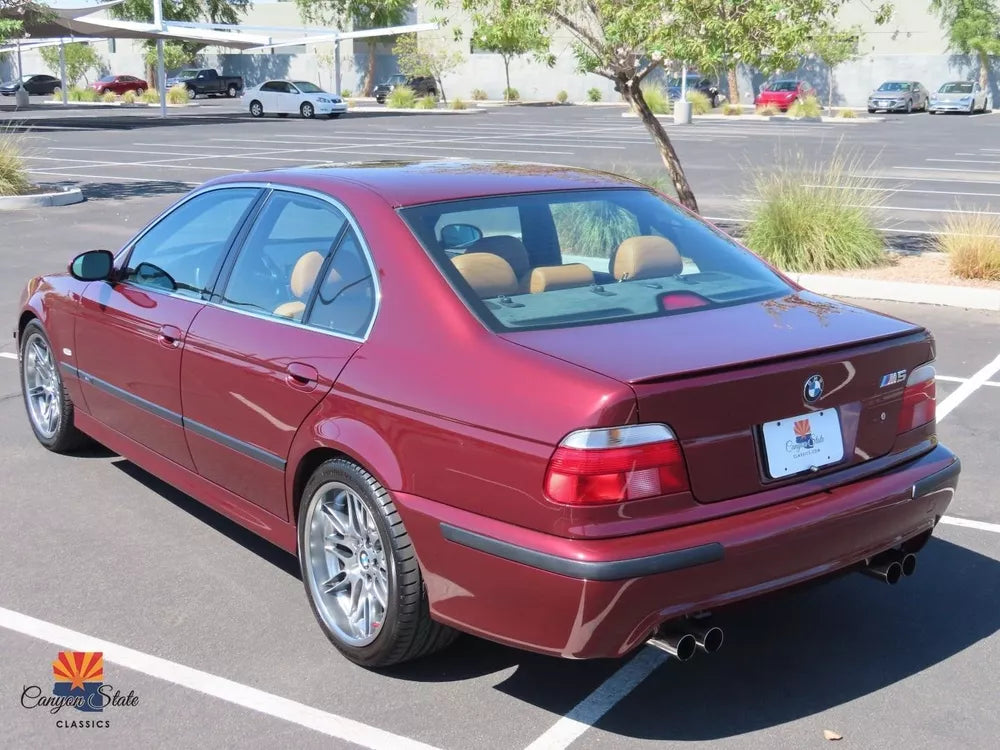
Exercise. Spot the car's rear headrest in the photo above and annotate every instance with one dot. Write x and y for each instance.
(549, 278)
(488, 274)
(646, 257)
(305, 272)
(511, 249)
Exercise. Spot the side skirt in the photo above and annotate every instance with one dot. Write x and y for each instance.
(275, 530)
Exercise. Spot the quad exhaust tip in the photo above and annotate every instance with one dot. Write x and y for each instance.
(891, 566)
(909, 564)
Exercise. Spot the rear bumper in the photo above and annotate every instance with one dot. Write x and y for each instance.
(594, 598)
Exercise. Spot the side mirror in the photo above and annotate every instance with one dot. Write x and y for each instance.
(93, 265)
(459, 235)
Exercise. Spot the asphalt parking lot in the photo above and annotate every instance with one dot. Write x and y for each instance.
(209, 626)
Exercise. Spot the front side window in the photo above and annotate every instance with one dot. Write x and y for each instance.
(589, 256)
(282, 258)
(182, 251)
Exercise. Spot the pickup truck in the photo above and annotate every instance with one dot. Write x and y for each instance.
(206, 81)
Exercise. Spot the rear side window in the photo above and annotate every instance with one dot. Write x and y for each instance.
(586, 256)
(345, 300)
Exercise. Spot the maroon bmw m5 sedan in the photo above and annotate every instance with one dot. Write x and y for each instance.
(543, 405)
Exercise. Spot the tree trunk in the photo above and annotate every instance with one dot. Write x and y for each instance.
(633, 95)
(984, 70)
(829, 89)
(734, 85)
(370, 78)
(506, 73)
(441, 90)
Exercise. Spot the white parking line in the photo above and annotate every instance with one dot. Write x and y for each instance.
(589, 711)
(218, 687)
(967, 388)
(970, 524)
(953, 379)
(8, 355)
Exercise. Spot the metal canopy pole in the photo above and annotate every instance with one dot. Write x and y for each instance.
(161, 74)
(62, 70)
(337, 88)
(21, 98)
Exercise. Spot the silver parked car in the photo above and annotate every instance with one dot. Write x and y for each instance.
(899, 96)
(960, 96)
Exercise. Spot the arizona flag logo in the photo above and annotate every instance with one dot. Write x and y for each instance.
(80, 673)
(803, 432)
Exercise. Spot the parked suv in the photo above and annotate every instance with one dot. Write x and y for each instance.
(422, 85)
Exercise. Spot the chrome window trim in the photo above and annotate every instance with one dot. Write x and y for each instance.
(269, 188)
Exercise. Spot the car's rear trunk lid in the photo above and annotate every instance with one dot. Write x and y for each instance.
(717, 376)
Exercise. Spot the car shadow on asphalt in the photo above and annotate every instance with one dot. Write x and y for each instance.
(253, 543)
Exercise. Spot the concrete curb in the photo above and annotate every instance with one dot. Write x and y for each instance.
(59, 197)
(773, 118)
(120, 105)
(415, 111)
(968, 297)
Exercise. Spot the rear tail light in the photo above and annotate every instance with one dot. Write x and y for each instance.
(919, 399)
(597, 467)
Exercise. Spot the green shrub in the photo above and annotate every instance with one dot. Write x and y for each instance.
(561, 97)
(345, 94)
(150, 96)
(177, 94)
(700, 103)
(479, 95)
(402, 97)
(13, 171)
(808, 107)
(972, 241)
(733, 110)
(594, 94)
(108, 97)
(129, 97)
(768, 110)
(57, 95)
(810, 217)
(660, 182)
(511, 95)
(458, 104)
(76, 94)
(656, 99)
(847, 114)
(426, 102)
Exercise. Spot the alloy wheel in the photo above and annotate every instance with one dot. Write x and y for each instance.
(347, 564)
(41, 386)
(307, 110)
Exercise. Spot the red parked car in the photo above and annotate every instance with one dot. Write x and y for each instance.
(119, 84)
(783, 94)
(543, 405)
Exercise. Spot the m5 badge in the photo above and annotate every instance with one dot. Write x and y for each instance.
(892, 378)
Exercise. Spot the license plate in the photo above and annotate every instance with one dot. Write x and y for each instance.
(883, 104)
(802, 443)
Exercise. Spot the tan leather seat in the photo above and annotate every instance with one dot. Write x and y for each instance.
(550, 278)
(489, 275)
(646, 257)
(304, 275)
(512, 250)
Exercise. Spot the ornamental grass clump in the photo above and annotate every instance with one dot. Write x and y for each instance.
(656, 99)
(808, 107)
(178, 94)
(402, 97)
(426, 102)
(816, 217)
(13, 170)
(972, 242)
(700, 103)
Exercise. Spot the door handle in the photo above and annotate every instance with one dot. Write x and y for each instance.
(170, 335)
(303, 377)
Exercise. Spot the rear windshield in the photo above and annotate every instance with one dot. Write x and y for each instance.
(559, 259)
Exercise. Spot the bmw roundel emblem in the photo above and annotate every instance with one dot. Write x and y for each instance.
(813, 388)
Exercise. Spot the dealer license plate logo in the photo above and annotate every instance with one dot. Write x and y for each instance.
(802, 443)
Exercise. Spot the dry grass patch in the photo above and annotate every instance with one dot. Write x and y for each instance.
(13, 171)
(972, 242)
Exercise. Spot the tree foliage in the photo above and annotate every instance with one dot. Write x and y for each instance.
(973, 28)
(14, 13)
(426, 57)
(511, 29)
(80, 58)
(833, 47)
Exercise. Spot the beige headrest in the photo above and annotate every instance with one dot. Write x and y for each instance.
(549, 278)
(488, 274)
(305, 272)
(646, 257)
(511, 249)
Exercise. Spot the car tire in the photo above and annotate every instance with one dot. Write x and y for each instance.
(51, 412)
(231, 92)
(307, 110)
(972, 107)
(871, 111)
(192, 94)
(346, 514)
(140, 91)
(909, 106)
(256, 109)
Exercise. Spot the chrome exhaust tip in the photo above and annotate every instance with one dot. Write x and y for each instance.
(908, 563)
(679, 645)
(888, 571)
(708, 637)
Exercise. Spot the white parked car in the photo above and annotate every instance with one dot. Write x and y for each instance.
(284, 98)
(960, 96)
